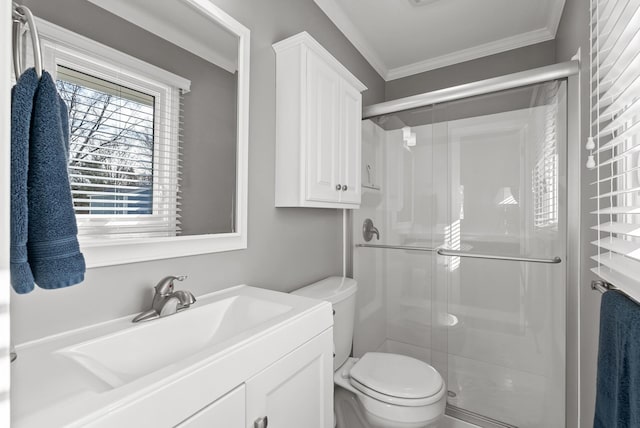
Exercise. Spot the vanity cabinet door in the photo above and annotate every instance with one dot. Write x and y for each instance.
(296, 391)
(227, 411)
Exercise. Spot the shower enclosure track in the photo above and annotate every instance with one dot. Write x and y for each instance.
(475, 418)
(456, 253)
(481, 87)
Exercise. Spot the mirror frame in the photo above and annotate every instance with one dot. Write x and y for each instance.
(123, 251)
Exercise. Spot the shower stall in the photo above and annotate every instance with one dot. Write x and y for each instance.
(468, 189)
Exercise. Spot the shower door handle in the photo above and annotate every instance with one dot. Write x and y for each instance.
(456, 253)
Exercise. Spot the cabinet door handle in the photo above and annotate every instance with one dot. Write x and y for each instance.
(262, 422)
(344, 187)
(338, 187)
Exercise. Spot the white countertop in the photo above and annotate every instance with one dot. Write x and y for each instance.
(50, 390)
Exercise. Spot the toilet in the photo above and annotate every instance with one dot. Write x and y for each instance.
(379, 390)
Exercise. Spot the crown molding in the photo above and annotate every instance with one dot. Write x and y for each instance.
(491, 48)
(305, 39)
(555, 16)
(335, 13)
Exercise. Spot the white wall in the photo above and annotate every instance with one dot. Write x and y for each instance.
(287, 247)
(5, 16)
(573, 33)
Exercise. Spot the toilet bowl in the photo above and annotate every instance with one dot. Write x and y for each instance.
(394, 391)
(390, 390)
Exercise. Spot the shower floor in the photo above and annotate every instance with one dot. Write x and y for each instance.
(504, 394)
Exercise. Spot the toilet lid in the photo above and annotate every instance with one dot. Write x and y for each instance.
(396, 375)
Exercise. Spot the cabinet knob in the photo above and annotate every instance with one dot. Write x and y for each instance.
(262, 422)
(338, 187)
(344, 187)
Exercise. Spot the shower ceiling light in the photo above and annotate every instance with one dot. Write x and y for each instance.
(406, 132)
(408, 137)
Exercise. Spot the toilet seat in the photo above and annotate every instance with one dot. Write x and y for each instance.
(388, 399)
(397, 379)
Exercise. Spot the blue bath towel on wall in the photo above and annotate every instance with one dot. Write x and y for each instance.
(618, 385)
(22, 95)
(53, 250)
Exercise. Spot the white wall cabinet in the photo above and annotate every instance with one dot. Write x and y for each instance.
(318, 127)
(296, 391)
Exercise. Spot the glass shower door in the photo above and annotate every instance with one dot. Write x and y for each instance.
(500, 160)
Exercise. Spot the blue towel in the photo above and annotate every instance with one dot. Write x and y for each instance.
(53, 250)
(21, 111)
(618, 385)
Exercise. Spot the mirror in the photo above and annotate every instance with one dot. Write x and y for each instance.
(158, 110)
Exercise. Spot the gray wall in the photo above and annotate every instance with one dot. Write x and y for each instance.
(288, 247)
(573, 33)
(208, 180)
(512, 61)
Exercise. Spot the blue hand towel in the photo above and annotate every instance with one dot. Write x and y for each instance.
(21, 111)
(618, 384)
(53, 250)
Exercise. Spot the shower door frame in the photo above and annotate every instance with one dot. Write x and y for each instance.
(570, 71)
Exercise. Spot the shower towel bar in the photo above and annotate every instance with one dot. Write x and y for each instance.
(602, 286)
(22, 15)
(455, 253)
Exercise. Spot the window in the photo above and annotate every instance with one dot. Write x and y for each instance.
(111, 145)
(614, 143)
(545, 172)
(124, 118)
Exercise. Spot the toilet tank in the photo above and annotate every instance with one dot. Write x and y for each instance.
(341, 293)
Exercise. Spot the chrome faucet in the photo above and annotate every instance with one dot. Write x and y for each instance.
(166, 301)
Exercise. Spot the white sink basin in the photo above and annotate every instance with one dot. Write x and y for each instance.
(131, 353)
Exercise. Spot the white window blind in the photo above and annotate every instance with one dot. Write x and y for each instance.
(545, 173)
(125, 119)
(615, 140)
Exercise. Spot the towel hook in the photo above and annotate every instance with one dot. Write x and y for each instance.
(21, 15)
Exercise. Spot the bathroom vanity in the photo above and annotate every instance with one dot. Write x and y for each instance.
(240, 357)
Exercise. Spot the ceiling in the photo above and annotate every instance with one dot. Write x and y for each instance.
(400, 38)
